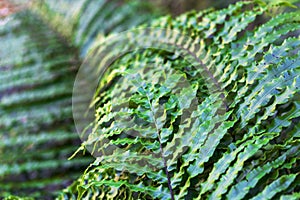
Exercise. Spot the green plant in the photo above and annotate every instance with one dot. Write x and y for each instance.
(240, 141)
(37, 134)
(38, 64)
(82, 22)
(234, 135)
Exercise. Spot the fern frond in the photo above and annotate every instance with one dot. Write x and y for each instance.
(279, 185)
(253, 68)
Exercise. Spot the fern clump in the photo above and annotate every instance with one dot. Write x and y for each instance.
(227, 130)
(38, 62)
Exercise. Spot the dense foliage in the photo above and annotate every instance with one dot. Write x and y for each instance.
(249, 151)
(229, 131)
(38, 64)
